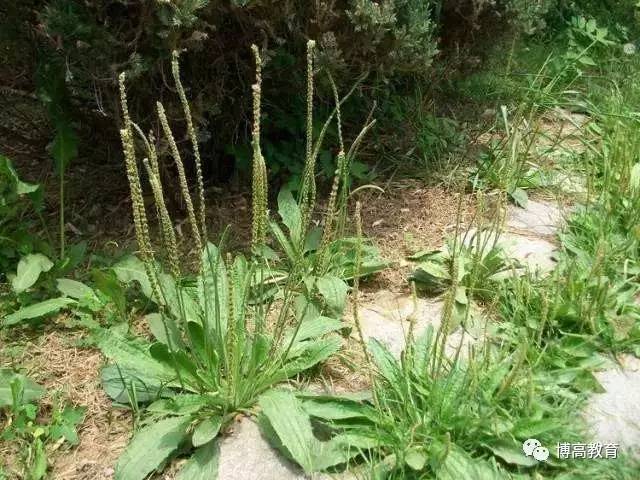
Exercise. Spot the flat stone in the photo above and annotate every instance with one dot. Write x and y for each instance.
(388, 320)
(614, 416)
(246, 455)
(539, 218)
(536, 254)
(533, 253)
(572, 184)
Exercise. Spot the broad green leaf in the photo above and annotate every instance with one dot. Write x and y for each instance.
(30, 390)
(206, 431)
(65, 146)
(292, 432)
(422, 349)
(178, 300)
(78, 291)
(74, 254)
(64, 425)
(124, 385)
(21, 188)
(587, 60)
(334, 291)
(433, 275)
(634, 177)
(38, 466)
(458, 464)
(38, 310)
(290, 250)
(203, 464)
(309, 354)
(133, 355)
(107, 283)
(213, 289)
(29, 269)
(512, 454)
(292, 426)
(179, 361)
(132, 269)
(313, 328)
(387, 365)
(416, 458)
(181, 404)
(150, 447)
(289, 211)
(161, 327)
(312, 242)
(336, 409)
(519, 197)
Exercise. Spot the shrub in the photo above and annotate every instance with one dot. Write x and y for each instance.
(89, 42)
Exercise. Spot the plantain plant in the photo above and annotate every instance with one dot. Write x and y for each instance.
(216, 349)
(324, 257)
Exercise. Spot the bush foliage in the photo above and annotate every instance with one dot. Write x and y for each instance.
(81, 46)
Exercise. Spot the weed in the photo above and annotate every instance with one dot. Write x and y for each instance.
(220, 342)
(26, 429)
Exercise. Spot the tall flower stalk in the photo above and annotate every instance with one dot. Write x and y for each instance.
(259, 174)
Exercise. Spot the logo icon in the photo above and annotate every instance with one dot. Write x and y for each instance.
(533, 448)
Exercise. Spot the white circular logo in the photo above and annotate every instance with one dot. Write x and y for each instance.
(529, 446)
(540, 454)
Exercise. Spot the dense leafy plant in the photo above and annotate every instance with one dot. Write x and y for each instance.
(433, 415)
(324, 257)
(219, 341)
(27, 429)
(83, 44)
(92, 41)
(467, 269)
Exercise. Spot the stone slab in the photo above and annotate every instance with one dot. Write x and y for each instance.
(540, 218)
(246, 455)
(536, 254)
(614, 416)
(388, 320)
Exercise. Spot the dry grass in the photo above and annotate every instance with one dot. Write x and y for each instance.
(409, 217)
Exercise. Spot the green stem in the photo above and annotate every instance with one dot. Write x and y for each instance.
(62, 213)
